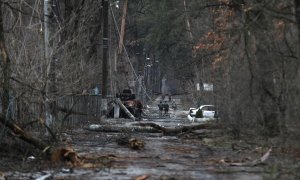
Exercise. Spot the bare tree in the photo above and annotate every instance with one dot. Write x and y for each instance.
(49, 58)
(5, 65)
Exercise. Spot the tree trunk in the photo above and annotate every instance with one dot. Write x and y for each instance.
(5, 62)
(55, 154)
(19, 132)
(188, 25)
(175, 131)
(297, 8)
(105, 48)
(50, 84)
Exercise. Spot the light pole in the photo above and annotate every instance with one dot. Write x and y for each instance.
(156, 76)
(149, 73)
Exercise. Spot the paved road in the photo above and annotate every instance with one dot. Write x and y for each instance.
(163, 157)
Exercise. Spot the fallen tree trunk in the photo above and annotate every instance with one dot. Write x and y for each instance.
(175, 131)
(120, 129)
(25, 136)
(55, 155)
(150, 128)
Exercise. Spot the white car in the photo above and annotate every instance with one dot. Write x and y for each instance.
(208, 111)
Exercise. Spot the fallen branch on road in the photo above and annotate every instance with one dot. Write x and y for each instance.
(150, 128)
(55, 154)
(255, 162)
(120, 128)
(247, 162)
(175, 131)
(132, 142)
(25, 136)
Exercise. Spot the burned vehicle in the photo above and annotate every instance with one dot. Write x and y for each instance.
(128, 99)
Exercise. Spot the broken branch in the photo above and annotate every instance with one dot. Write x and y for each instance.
(24, 135)
(174, 131)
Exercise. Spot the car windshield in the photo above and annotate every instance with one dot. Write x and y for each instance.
(208, 108)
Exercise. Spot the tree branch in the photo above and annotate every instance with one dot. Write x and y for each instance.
(24, 135)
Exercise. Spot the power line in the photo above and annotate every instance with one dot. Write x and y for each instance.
(128, 59)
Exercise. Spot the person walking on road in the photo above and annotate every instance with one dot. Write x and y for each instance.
(163, 97)
(174, 105)
(166, 107)
(160, 107)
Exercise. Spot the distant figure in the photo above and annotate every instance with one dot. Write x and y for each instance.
(166, 107)
(160, 107)
(139, 109)
(170, 98)
(174, 105)
(163, 97)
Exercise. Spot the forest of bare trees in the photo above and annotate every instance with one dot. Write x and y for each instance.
(255, 65)
(249, 50)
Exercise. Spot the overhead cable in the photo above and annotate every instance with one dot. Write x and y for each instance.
(128, 59)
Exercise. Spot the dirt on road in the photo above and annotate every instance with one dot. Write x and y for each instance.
(196, 154)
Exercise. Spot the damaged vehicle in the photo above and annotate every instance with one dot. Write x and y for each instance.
(128, 99)
(204, 112)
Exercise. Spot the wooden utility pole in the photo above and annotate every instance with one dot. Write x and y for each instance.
(105, 5)
(121, 41)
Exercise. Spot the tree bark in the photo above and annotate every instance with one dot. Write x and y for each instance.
(24, 135)
(50, 84)
(174, 131)
(55, 154)
(151, 128)
(105, 6)
(5, 63)
(297, 8)
(188, 24)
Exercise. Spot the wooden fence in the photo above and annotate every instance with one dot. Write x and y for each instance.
(78, 109)
(71, 111)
